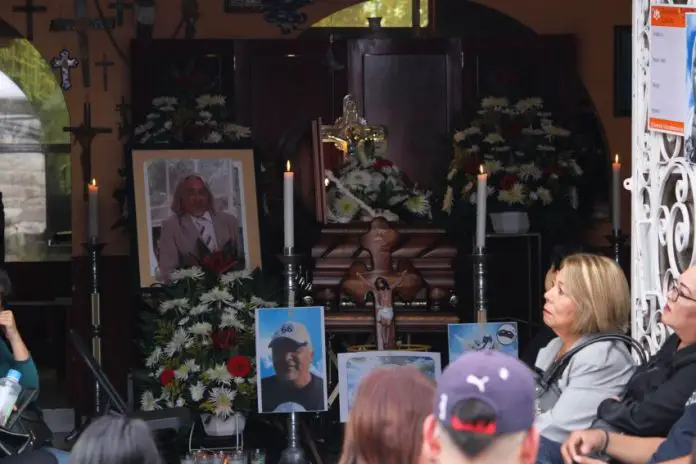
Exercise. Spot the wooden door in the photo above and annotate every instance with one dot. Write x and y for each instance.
(411, 86)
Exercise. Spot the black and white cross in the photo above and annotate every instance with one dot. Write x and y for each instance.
(65, 63)
(29, 9)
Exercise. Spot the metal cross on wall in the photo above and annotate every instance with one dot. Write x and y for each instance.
(29, 9)
(105, 65)
(124, 126)
(120, 6)
(82, 24)
(65, 63)
(84, 136)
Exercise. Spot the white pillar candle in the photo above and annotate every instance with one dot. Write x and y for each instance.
(616, 194)
(481, 198)
(93, 210)
(288, 207)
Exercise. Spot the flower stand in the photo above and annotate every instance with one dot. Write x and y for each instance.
(216, 427)
(510, 222)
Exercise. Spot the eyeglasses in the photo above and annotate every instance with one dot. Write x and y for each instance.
(674, 292)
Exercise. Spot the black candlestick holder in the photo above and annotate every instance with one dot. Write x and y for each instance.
(94, 249)
(293, 454)
(480, 259)
(617, 240)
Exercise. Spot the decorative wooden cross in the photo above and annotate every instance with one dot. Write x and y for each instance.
(82, 24)
(84, 136)
(351, 129)
(124, 127)
(65, 64)
(120, 6)
(383, 280)
(29, 9)
(105, 65)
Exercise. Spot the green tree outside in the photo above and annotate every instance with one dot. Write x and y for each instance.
(394, 13)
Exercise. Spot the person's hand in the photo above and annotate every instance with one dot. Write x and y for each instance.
(7, 322)
(581, 443)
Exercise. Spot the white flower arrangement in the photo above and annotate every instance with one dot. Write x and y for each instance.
(202, 119)
(200, 350)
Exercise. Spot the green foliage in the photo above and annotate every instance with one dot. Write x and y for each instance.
(394, 13)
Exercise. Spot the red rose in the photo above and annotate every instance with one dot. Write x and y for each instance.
(238, 366)
(217, 262)
(166, 377)
(508, 181)
(224, 339)
(382, 163)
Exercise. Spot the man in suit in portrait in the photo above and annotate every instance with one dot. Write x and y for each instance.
(293, 387)
(195, 219)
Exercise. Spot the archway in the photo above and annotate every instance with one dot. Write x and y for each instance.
(35, 162)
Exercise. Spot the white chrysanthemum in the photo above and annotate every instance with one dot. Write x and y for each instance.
(261, 303)
(199, 309)
(222, 399)
(219, 374)
(194, 273)
(236, 131)
(164, 101)
(233, 277)
(494, 138)
(492, 102)
(197, 391)
(239, 380)
(213, 137)
(179, 341)
(532, 131)
(357, 178)
(418, 204)
(148, 401)
(544, 195)
(201, 329)
(154, 357)
(553, 131)
(186, 368)
(177, 304)
(514, 195)
(345, 208)
(463, 134)
(529, 171)
(529, 104)
(205, 101)
(217, 294)
(229, 319)
(183, 321)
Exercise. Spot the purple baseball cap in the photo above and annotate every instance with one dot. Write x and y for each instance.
(500, 381)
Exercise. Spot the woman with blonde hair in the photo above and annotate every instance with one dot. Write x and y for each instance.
(385, 423)
(589, 296)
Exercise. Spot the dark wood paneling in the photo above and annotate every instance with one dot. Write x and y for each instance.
(119, 319)
(413, 88)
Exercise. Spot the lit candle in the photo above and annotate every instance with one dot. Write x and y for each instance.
(288, 207)
(616, 194)
(93, 210)
(481, 198)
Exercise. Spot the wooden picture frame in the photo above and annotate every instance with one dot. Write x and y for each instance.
(623, 71)
(243, 6)
(163, 239)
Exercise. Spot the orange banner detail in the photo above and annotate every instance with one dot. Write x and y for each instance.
(666, 125)
(669, 16)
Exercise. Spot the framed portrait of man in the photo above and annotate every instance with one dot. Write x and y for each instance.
(192, 203)
(291, 360)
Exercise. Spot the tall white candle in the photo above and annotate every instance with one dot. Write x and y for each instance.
(616, 194)
(288, 207)
(481, 198)
(93, 210)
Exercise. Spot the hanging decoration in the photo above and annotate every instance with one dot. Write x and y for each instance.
(65, 63)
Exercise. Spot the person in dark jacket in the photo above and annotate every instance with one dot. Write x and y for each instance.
(658, 392)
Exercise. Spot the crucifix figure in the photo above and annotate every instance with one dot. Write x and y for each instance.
(105, 65)
(84, 136)
(120, 6)
(123, 124)
(384, 280)
(65, 64)
(82, 24)
(351, 129)
(29, 9)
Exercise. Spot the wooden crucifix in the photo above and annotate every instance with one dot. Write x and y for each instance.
(384, 280)
(120, 6)
(29, 9)
(105, 65)
(84, 136)
(82, 24)
(124, 126)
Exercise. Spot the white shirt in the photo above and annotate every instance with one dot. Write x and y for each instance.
(206, 230)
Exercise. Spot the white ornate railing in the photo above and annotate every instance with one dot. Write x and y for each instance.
(663, 185)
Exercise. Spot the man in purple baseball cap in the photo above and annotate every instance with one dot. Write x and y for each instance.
(484, 412)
